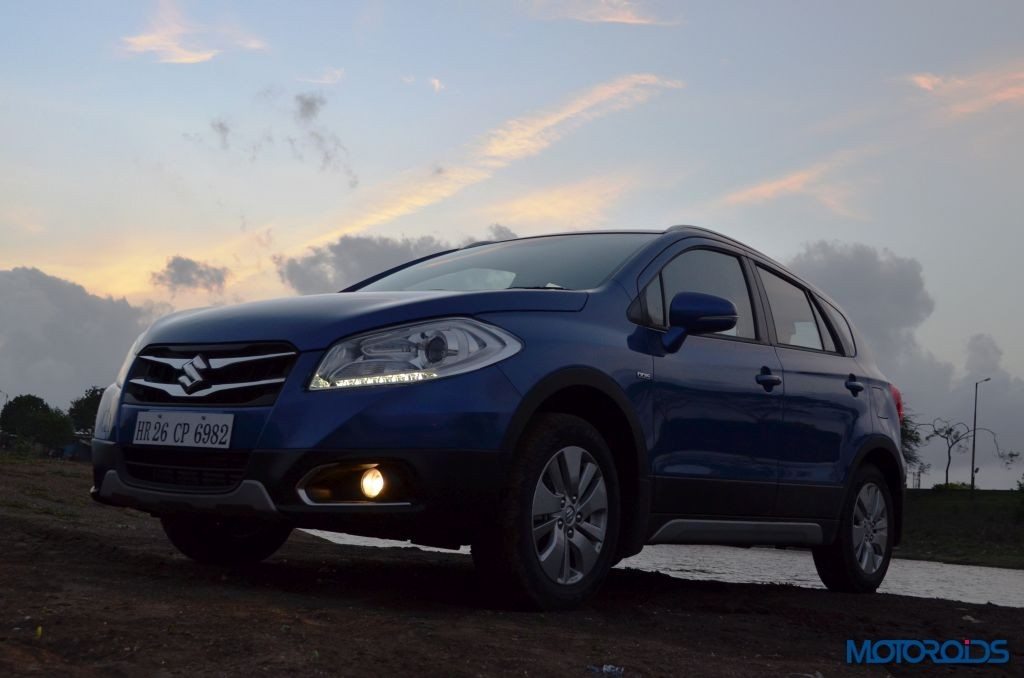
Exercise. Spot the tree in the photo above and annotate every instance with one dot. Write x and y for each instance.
(18, 412)
(911, 441)
(30, 418)
(955, 436)
(83, 410)
(53, 429)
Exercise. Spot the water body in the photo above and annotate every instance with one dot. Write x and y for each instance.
(917, 578)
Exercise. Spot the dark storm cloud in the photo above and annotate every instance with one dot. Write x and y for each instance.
(883, 291)
(222, 130)
(184, 273)
(332, 154)
(56, 339)
(308, 137)
(499, 232)
(308, 106)
(983, 355)
(350, 259)
(884, 294)
(354, 257)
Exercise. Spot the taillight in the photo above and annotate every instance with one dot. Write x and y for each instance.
(898, 399)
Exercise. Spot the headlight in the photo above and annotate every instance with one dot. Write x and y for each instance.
(411, 353)
(122, 374)
(106, 413)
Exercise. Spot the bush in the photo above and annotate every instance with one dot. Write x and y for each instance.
(942, 487)
(1020, 504)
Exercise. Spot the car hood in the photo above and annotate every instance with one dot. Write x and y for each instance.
(317, 321)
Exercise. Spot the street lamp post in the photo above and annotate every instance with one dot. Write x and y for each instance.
(974, 429)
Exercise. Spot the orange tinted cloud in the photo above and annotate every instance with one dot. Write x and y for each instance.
(789, 184)
(581, 204)
(815, 181)
(974, 93)
(514, 140)
(594, 11)
(174, 41)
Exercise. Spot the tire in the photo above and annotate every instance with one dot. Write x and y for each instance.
(224, 541)
(535, 551)
(859, 558)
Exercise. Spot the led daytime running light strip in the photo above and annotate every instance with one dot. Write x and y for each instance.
(377, 380)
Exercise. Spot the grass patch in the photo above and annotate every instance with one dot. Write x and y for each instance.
(956, 526)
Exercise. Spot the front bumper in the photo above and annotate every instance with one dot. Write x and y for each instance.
(448, 492)
(445, 436)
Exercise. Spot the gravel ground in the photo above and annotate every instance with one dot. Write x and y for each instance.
(90, 590)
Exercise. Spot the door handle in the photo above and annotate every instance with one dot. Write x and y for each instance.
(767, 379)
(853, 385)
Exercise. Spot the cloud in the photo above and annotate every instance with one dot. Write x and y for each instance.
(309, 138)
(56, 339)
(883, 291)
(308, 106)
(885, 297)
(514, 140)
(530, 135)
(327, 146)
(580, 204)
(184, 273)
(436, 85)
(222, 130)
(594, 11)
(815, 181)
(983, 355)
(975, 93)
(354, 257)
(331, 76)
(175, 41)
(500, 232)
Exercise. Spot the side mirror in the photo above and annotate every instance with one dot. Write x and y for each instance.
(695, 313)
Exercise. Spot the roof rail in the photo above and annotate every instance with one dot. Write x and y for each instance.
(686, 227)
(478, 243)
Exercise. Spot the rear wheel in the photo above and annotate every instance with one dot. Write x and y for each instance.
(553, 539)
(859, 558)
(224, 541)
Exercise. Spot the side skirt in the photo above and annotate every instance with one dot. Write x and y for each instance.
(741, 532)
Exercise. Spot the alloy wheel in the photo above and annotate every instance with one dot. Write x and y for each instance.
(570, 515)
(870, 528)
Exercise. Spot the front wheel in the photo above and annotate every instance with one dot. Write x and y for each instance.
(224, 541)
(553, 539)
(859, 558)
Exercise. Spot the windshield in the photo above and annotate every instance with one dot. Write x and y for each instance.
(563, 262)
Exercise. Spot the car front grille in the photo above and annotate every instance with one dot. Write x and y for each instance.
(197, 470)
(240, 375)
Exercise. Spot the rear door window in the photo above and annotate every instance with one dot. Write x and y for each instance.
(791, 312)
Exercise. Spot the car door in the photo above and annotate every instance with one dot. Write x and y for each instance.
(826, 404)
(717, 400)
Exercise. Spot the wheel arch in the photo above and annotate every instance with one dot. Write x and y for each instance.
(596, 398)
(883, 454)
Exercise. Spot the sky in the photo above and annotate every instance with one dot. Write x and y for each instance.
(162, 155)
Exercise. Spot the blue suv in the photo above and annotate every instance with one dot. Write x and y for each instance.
(556, 402)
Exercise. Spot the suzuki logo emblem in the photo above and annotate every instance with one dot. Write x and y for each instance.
(193, 379)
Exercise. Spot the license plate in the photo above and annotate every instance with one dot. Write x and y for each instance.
(184, 429)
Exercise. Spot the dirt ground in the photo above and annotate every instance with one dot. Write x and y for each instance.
(90, 590)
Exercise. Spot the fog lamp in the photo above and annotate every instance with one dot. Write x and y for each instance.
(372, 483)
